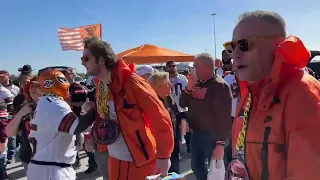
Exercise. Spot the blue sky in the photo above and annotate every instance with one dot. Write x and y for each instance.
(29, 28)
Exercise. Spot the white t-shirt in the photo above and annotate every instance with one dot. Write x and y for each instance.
(178, 84)
(119, 148)
(231, 80)
(53, 125)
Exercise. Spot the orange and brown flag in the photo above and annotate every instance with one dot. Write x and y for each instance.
(72, 39)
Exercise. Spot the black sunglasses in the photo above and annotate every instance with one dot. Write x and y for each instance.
(172, 66)
(243, 44)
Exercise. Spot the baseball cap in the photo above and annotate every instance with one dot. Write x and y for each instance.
(4, 73)
(25, 68)
(145, 69)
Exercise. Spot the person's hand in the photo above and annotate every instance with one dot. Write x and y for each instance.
(87, 106)
(162, 167)
(192, 81)
(26, 109)
(218, 152)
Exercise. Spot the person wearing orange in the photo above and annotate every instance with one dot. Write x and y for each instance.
(133, 123)
(276, 133)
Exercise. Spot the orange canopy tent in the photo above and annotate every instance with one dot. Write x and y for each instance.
(148, 54)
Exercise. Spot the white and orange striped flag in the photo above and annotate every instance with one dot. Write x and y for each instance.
(72, 39)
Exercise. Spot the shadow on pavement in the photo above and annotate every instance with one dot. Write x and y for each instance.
(17, 174)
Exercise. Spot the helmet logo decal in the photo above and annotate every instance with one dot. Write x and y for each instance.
(62, 80)
(48, 84)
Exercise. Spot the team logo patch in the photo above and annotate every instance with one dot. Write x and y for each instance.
(105, 132)
(62, 80)
(48, 84)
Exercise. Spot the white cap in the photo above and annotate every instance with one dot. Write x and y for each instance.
(145, 69)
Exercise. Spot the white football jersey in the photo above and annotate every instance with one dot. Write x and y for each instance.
(178, 84)
(53, 127)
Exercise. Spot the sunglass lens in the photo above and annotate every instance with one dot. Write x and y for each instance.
(243, 45)
(84, 59)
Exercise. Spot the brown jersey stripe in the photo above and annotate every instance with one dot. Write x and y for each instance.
(67, 122)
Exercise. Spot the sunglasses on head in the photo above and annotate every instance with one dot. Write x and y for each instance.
(243, 44)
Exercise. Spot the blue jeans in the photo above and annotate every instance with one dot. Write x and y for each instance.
(12, 147)
(202, 145)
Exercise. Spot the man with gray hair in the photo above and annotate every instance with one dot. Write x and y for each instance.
(278, 120)
(208, 99)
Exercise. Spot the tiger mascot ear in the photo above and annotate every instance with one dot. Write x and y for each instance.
(132, 67)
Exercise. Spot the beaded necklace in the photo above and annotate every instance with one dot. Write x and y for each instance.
(103, 101)
(242, 134)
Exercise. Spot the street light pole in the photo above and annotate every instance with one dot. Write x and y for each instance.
(214, 35)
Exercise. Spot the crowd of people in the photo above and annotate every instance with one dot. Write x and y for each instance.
(257, 109)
